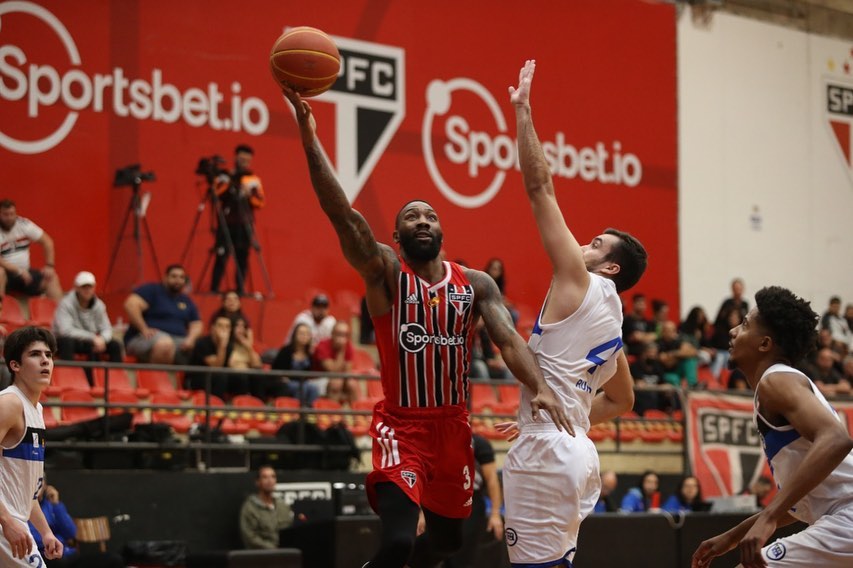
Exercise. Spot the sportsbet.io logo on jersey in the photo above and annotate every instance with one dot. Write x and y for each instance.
(467, 149)
(42, 84)
(413, 338)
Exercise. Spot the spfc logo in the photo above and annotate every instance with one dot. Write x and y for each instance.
(460, 302)
(370, 101)
(838, 109)
(409, 477)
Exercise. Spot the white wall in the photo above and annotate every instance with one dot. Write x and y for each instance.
(753, 133)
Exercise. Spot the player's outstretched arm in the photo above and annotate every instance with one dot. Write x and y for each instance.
(560, 244)
(616, 397)
(357, 241)
(515, 352)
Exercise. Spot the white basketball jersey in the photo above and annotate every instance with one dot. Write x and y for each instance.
(22, 465)
(578, 354)
(786, 448)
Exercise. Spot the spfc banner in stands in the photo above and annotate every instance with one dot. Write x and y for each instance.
(724, 446)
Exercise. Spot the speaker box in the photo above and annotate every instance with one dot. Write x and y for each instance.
(342, 542)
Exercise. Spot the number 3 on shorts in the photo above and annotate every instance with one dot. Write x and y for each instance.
(467, 473)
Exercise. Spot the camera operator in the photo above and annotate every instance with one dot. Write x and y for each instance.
(239, 192)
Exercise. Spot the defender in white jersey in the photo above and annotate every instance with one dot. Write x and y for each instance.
(551, 480)
(810, 452)
(29, 356)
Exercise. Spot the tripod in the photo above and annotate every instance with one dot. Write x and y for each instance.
(222, 233)
(140, 225)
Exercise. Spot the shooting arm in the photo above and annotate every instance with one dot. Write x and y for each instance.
(616, 397)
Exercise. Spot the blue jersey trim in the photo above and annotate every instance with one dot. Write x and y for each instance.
(775, 440)
(28, 452)
(536, 329)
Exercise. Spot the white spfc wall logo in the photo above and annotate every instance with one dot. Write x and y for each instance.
(370, 101)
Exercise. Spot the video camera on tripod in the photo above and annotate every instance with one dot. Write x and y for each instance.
(211, 167)
(132, 176)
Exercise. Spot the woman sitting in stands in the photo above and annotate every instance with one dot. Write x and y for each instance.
(296, 356)
(645, 498)
(688, 497)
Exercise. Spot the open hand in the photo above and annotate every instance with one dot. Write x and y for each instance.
(508, 429)
(304, 116)
(710, 549)
(545, 399)
(520, 96)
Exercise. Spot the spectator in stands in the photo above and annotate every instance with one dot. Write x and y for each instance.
(645, 497)
(606, 499)
(263, 515)
(335, 355)
(847, 368)
(495, 269)
(317, 318)
(738, 382)
(837, 325)
(495, 366)
(637, 331)
(231, 307)
(687, 498)
(731, 313)
(215, 350)
(647, 371)
(761, 488)
(63, 527)
(736, 302)
(825, 374)
(660, 315)
(244, 356)
(16, 235)
(296, 356)
(696, 329)
(164, 322)
(677, 356)
(848, 315)
(81, 324)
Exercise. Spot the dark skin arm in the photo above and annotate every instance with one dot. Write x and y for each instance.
(376, 263)
(787, 398)
(515, 352)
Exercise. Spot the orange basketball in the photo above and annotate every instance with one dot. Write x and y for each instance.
(306, 60)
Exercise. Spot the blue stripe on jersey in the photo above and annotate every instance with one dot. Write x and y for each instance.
(550, 564)
(29, 452)
(536, 329)
(774, 441)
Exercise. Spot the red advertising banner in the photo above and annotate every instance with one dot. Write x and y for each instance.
(724, 446)
(420, 110)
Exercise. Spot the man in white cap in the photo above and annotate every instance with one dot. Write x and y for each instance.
(81, 324)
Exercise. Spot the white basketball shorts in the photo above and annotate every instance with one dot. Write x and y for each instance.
(828, 543)
(551, 483)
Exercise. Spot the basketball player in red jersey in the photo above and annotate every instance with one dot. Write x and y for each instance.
(424, 311)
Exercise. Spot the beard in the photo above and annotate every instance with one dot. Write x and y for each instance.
(417, 250)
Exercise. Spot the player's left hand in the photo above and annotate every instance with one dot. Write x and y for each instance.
(508, 429)
(520, 96)
(751, 544)
(421, 523)
(545, 399)
(52, 547)
(496, 526)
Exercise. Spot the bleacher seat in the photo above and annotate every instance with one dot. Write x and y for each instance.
(42, 309)
(50, 420)
(68, 378)
(363, 362)
(374, 390)
(177, 419)
(482, 398)
(70, 414)
(287, 402)
(257, 420)
(127, 397)
(361, 423)
(158, 382)
(12, 317)
(217, 418)
(326, 420)
(119, 381)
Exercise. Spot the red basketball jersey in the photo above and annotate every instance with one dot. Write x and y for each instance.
(425, 340)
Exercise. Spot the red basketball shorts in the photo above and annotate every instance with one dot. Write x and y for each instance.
(427, 453)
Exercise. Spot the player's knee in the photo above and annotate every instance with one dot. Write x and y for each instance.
(399, 547)
(446, 544)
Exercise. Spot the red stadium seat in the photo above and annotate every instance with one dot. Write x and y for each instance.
(218, 418)
(50, 420)
(119, 382)
(363, 362)
(158, 382)
(12, 316)
(69, 378)
(127, 397)
(482, 398)
(42, 309)
(326, 420)
(655, 414)
(258, 420)
(71, 414)
(287, 402)
(177, 419)
(361, 423)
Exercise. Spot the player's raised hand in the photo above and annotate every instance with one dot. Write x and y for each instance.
(304, 116)
(508, 429)
(545, 399)
(521, 95)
